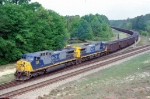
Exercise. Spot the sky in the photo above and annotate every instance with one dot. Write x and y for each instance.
(113, 9)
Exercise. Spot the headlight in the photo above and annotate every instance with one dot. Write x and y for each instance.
(22, 65)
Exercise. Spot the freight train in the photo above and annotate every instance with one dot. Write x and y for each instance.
(37, 63)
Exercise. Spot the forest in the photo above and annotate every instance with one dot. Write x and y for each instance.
(140, 23)
(91, 27)
(27, 27)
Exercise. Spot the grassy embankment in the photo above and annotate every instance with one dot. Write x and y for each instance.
(6, 78)
(7, 73)
(143, 41)
(128, 80)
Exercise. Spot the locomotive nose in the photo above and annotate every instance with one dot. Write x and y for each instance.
(21, 65)
(23, 69)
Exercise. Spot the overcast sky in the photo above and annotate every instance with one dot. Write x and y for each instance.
(113, 9)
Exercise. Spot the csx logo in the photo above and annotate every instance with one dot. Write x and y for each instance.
(92, 48)
(55, 56)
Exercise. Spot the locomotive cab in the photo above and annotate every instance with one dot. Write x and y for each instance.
(27, 62)
(31, 62)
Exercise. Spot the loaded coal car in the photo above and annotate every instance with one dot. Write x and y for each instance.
(38, 63)
(129, 32)
(123, 30)
(123, 43)
(136, 35)
(112, 46)
(131, 40)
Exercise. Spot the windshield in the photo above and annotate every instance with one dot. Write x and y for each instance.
(30, 58)
(23, 57)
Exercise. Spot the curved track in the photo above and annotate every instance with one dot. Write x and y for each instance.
(62, 77)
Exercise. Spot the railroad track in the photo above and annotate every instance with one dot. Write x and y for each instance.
(9, 84)
(65, 76)
(15, 83)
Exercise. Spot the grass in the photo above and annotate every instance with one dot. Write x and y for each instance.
(6, 78)
(7, 66)
(144, 40)
(128, 80)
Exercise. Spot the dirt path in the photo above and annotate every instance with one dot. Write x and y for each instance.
(7, 71)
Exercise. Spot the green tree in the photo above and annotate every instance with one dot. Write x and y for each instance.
(18, 1)
(97, 24)
(32, 6)
(24, 30)
(139, 23)
(84, 30)
(73, 27)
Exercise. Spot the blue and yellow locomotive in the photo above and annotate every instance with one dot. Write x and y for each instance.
(38, 63)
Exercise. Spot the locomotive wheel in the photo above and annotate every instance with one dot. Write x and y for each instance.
(73, 63)
(78, 61)
(98, 55)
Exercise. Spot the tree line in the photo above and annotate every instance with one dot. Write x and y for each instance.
(89, 27)
(27, 27)
(139, 23)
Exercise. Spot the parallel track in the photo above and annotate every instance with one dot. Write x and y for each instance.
(65, 76)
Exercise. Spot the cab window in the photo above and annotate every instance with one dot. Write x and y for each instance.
(23, 57)
(37, 58)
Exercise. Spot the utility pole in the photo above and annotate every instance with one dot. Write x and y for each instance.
(135, 43)
(118, 36)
